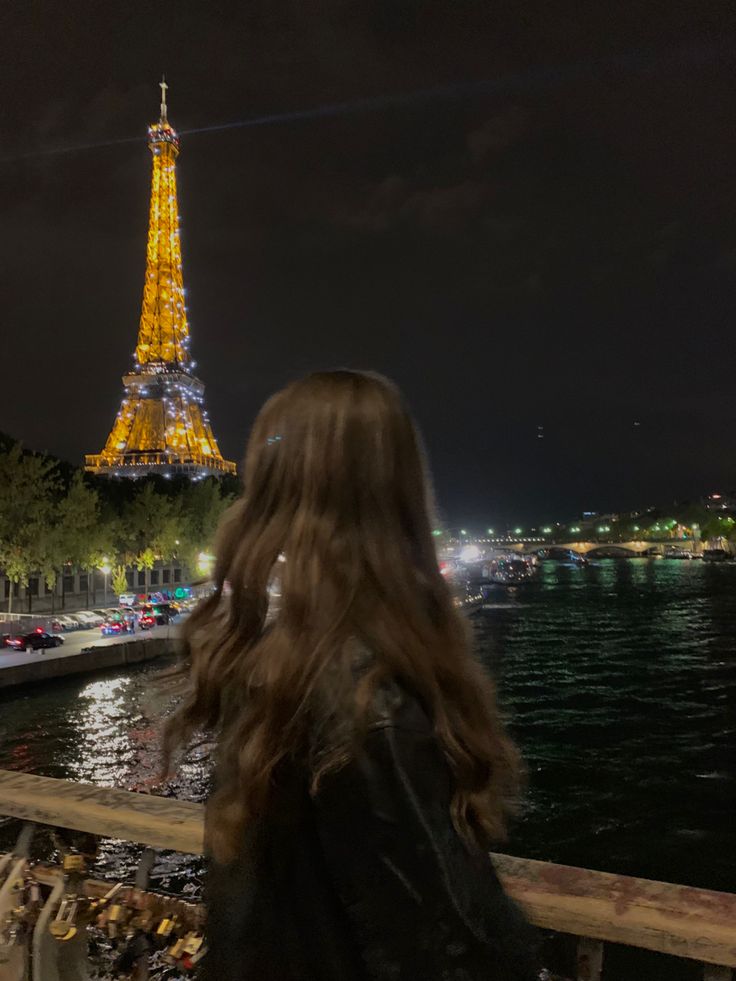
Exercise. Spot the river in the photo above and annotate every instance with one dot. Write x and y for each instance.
(619, 680)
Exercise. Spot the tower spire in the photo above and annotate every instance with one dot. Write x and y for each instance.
(162, 426)
(163, 86)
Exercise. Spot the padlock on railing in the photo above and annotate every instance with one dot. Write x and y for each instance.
(19, 906)
(96, 905)
(61, 952)
(133, 960)
(64, 925)
(194, 950)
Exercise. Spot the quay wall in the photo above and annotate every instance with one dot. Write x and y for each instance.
(89, 661)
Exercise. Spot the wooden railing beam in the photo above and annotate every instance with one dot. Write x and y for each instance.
(160, 822)
(671, 919)
(681, 920)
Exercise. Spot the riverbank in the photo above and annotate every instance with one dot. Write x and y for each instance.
(39, 668)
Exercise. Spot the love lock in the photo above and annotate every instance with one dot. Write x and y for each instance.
(96, 906)
(63, 926)
(115, 918)
(74, 864)
(193, 950)
(166, 927)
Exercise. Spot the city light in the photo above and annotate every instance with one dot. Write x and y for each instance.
(491, 531)
(205, 563)
(471, 553)
(105, 568)
(518, 531)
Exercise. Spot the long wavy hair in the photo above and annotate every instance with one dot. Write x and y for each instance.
(336, 517)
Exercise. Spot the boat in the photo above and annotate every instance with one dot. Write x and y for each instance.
(567, 556)
(508, 570)
(715, 555)
(675, 552)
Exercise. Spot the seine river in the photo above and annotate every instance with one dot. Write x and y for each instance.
(619, 679)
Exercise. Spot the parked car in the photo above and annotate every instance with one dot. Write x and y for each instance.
(89, 619)
(37, 640)
(74, 624)
(64, 622)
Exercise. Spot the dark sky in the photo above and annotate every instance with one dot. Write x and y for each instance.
(545, 237)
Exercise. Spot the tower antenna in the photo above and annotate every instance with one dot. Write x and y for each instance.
(163, 86)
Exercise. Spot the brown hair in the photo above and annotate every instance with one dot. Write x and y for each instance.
(335, 482)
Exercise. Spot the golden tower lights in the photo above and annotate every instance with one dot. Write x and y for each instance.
(162, 426)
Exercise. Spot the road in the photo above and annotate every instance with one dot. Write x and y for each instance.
(75, 641)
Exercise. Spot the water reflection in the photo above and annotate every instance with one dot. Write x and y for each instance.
(619, 677)
(101, 750)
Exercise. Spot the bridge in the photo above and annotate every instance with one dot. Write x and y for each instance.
(533, 546)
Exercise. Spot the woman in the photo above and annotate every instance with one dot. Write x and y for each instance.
(362, 769)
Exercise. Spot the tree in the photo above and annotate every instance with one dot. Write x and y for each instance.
(151, 528)
(202, 507)
(119, 580)
(78, 537)
(28, 489)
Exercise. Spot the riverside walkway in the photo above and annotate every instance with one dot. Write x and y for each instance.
(77, 641)
(84, 652)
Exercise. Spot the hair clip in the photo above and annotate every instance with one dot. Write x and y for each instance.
(274, 439)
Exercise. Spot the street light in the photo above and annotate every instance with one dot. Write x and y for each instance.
(105, 568)
(205, 564)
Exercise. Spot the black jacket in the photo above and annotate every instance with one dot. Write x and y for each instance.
(367, 881)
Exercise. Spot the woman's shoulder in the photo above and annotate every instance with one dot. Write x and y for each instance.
(393, 708)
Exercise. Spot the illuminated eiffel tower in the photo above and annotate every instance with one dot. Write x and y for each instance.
(162, 426)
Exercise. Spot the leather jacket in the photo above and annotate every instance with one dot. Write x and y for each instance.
(367, 880)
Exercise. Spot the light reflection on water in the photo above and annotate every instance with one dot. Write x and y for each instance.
(620, 679)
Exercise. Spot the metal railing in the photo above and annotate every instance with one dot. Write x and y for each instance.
(595, 907)
(176, 462)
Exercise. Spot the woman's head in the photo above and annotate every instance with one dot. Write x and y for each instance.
(334, 478)
(336, 487)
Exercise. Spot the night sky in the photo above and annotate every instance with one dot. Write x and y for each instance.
(527, 218)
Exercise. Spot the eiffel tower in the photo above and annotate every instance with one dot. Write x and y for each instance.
(162, 426)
